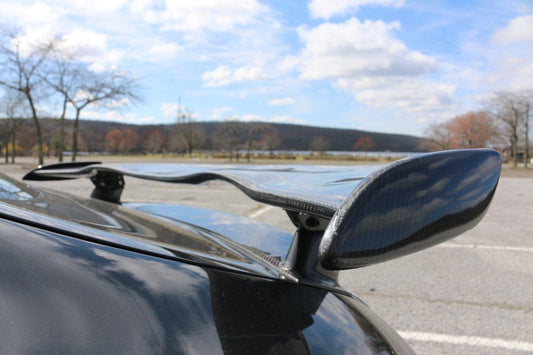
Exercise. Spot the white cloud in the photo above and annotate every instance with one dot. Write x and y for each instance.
(84, 42)
(248, 73)
(218, 77)
(327, 8)
(512, 73)
(82, 95)
(116, 116)
(355, 49)
(92, 47)
(107, 61)
(162, 51)
(288, 63)
(37, 14)
(28, 41)
(365, 58)
(88, 46)
(222, 109)
(273, 119)
(99, 5)
(286, 119)
(170, 109)
(40, 23)
(282, 101)
(198, 15)
(114, 31)
(223, 75)
(415, 95)
(258, 118)
(503, 64)
(219, 112)
(249, 118)
(176, 15)
(118, 103)
(519, 29)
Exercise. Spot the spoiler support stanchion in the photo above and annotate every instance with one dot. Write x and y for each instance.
(108, 186)
(302, 257)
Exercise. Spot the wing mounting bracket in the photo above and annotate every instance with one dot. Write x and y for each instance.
(108, 186)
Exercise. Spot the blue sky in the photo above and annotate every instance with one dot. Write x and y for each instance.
(380, 65)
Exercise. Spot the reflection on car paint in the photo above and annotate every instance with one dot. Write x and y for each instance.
(111, 223)
(66, 295)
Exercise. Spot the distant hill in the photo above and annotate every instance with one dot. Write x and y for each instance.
(298, 137)
(293, 137)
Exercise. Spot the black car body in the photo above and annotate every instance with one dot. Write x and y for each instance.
(91, 276)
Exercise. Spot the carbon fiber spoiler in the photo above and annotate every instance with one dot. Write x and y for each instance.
(351, 216)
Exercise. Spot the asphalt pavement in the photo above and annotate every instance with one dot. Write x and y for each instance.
(472, 294)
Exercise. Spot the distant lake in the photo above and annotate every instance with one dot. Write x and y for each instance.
(338, 153)
(392, 155)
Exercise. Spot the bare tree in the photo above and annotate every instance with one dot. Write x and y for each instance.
(15, 110)
(21, 67)
(107, 88)
(113, 140)
(49, 132)
(94, 139)
(130, 141)
(364, 143)
(270, 141)
(319, 144)
(229, 136)
(439, 137)
(5, 131)
(253, 130)
(80, 87)
(66, 77)
(512, 110)
(189, 134)
(26, 136)
(528, 106)
(474, 130)
(155, 142)
(469, 130)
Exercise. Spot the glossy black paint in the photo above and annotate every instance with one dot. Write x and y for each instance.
(66, 165)
(165, 235)
(265, 238)
(66, 295)
(411, 205)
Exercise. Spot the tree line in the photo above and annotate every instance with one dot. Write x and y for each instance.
(229, 139)
(182, 138)
(48, 76)
(504, 124)
(186, 136)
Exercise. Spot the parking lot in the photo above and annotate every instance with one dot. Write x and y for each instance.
(473, 294)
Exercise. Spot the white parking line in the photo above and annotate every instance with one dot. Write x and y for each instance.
(488, 247)
(260, 212)
(468, 340)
